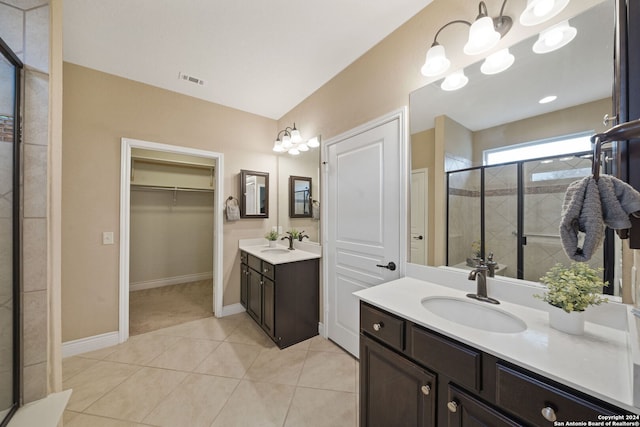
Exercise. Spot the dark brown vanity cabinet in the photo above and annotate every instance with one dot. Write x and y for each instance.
(282, 298)
(411, 376)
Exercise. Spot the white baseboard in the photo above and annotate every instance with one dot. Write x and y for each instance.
(228, 310)
(84, 345)
(167, 281)
(321, 329)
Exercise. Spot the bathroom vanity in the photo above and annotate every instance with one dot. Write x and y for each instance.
(280, 291)
(420, 369)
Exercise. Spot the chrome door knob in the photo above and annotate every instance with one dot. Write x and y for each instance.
(426, 389)
(378, 326)
(453, 406)
(548, 413)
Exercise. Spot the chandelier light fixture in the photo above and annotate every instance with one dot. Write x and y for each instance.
(485, 33)
(289, 141)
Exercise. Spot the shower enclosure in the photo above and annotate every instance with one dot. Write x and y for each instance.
(10, 68)
(513, 210)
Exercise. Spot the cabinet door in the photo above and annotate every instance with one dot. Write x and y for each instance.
(465, 411)
(394, 391)
(254, 295)
(268, 305)
(244, 284)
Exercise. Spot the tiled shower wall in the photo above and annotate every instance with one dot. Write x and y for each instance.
(24, 26)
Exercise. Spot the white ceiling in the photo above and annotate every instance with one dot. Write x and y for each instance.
(259, 56)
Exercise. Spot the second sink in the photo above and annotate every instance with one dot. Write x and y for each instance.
(474, 314)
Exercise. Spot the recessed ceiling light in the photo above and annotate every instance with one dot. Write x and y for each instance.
(548, 99)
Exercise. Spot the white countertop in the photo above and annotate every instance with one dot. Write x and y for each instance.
(260, 248)
(597, 363)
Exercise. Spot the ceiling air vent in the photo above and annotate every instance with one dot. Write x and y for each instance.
(191, 79)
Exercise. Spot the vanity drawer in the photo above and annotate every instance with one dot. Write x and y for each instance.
(384, 326)
(526, 396)
(254, 262)
(268, 270)
(460, 363)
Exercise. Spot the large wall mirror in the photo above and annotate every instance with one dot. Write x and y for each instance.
(254, 189)
(452, 130)
(305, 165)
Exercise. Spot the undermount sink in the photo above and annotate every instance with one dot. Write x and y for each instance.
(276, 250)
(477, 315)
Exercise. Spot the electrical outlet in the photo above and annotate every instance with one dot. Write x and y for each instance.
(274, 228)
(279, 229)
(107, 238)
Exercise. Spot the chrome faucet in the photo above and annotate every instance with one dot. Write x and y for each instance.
(479, 274)
(290, 239)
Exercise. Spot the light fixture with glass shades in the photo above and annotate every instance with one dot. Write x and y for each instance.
(555, 37)
(292, 143)
(539, 11)
(485, 34)
(455, 81)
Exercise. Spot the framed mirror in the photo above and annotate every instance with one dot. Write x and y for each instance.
(299, 197)
(254, 189)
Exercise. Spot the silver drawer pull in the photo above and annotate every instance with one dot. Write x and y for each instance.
(453, 406)
(378, 326)
(426, 389)
(548, 413)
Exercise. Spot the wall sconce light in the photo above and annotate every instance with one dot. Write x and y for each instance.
(455, 81)
(497, 62)
(292, 143)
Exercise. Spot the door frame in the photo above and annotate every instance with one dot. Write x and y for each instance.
(401, 115)
(125, 221)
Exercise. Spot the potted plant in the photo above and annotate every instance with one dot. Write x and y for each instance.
(294, 233)
(570, 290)
(272, 236)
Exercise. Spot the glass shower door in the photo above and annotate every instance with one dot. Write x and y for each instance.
(545, 183)
(9, 235)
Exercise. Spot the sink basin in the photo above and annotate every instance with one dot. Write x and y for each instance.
(276, 250)
(477, 315)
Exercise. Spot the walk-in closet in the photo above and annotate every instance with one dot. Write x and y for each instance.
(171, 239)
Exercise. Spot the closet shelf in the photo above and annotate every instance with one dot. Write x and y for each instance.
(158, 161)
(141, 187)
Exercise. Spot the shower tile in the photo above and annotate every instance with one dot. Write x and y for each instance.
(36, 98)
(35, 181)
(11, 27)
(34, 253)
(37, 38)
(35, 327)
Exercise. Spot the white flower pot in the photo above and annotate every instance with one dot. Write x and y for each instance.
(571, 323)
(272, 243)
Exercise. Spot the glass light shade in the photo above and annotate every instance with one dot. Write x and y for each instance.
(295, 136)
(539, 11)
(313, 142)
(286, 142)
(482, 36)
(497, 62)
(455, 81)
(302, 147)
(294, 151)
(553, 38)
(277, 146)
(436, 62)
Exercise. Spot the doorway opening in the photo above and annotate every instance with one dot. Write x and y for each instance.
(170, 235)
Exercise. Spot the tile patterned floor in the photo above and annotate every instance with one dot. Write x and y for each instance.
(212, 373)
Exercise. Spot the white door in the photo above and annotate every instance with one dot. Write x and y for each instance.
(366, 225)
(418, 216)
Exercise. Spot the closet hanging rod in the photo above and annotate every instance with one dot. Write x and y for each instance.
(159, 188)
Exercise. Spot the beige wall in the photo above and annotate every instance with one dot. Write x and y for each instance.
(99, 109)
(581, 118)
